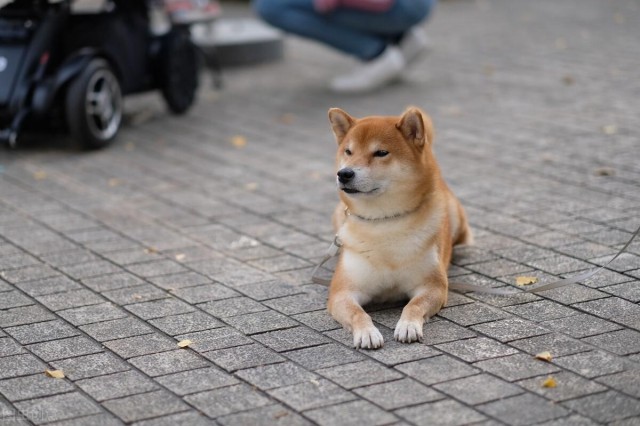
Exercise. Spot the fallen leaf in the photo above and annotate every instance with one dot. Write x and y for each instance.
(239, 141)
(184, 343)
(151, 250)
(610, 129)
(40, 175)
(56, 374)
(604, 171)
(280, 414)
(251, 186)
(113, 182)
(315, 382)
(180, 257)
(549, 382)
(568, 80)
(287, 118)
(544, 356)
(526, 280)
(137, 296)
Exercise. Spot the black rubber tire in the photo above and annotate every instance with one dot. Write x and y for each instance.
(179, 81)
(94, 106)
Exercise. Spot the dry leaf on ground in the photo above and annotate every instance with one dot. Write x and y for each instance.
(39, 175)
(180, 257)
(239, 141)
(526, 280)
(549, 382)
(610, 129)
(184, 343)
(56, 374)
(544, 356)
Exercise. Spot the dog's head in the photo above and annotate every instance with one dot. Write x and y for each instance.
(382, 160)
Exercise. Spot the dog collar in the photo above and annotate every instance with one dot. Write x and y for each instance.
(348, 213)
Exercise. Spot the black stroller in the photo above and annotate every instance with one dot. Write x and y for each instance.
(62, 68)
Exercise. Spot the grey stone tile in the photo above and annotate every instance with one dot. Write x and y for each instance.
(57, 407)
(626, 381)
(361, 373)
(205, 293)
(574, 293)
(446, 413)
(220, 402)
(437, 369)
(297, 304)
(116, 385)
(159, 308)
(135, 294)
(9, 347)
(24, 315)
(112, 282)
(581, 325)
(275, 375)
(190, 418)
(622, 342)
(19, 365)
(194, 381)
(575, 420)
(144, 406)
(324, 356)
(29, 387)
(168, 362)
(311, 394)
(470, 314)
(318, 320)
(479, 389)
(102, 419)
(264, 416)
(269, 290)
(29, 273)
(156, 268)
(70, 299)
(498, 268)
(523, 410)
(48, 286)
(14, 299)
(176, 281)
(245, 356)
(606, 407)
(555, 343)
(569, 386)
(443, 331)
(476, 349)
(232, 307)
(91, 314)
(541, 310)
(130, 256)
(116, 329)
(186, 323)
(260, 322)
(591, 364)
(217, 338)
(398, 394)
(351, 413)
(610, 307)
(64, 348)
(510, 329)
(291, 338)
(397, 353)
(629, 291)
(90, 269)
(87, 366)
(516, 367)
(141, 345)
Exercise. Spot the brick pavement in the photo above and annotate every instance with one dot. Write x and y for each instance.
(109, 258)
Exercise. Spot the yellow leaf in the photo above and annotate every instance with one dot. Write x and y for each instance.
(180, 257)
(40, 175)
(544, 356)
(251, 186)
(239, 141)
(113, 182)
(526, 280)
(56, 374)
(151, 250)
(610, 129)
(549, 382)
(184, 343)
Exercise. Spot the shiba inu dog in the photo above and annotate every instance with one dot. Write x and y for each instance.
(397, 221)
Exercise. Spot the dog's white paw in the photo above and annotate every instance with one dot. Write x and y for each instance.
(408, 331)
(367, 338)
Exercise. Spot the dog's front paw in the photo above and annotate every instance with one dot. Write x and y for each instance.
(408, 331)
(367, 338)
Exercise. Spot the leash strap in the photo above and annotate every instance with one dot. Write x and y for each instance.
(462, 287)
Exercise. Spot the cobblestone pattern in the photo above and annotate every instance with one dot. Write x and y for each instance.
(109, 258)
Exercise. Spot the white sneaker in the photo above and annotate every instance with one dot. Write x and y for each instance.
(373, 74)
(414, 44)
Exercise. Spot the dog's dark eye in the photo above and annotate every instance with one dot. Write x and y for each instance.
(347, 151)
(380, 153)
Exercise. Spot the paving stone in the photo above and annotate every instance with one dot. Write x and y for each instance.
(116, 385)
(436, 369)
(500, 267)
(131, 256)
(48, 286)
(574, 293)
(291, 338)
(112, 282)
(9, 347)
(245, 356)
(606, 407)
(261, 322)
(29, 387)
(70, 299)
(191, 418)
(398, 394)
(311, 394)
(116, 329)
(470, 314)
(297, 304)
(92, 314)
(443, 331)
(591, 364)
(19, 365)
(217, 338)
(14, 299)
(610, 307)
(102, 419)
(57, 407)
(318, 320)
(622, 342)
(516, 367)
(139, 407)
(64, 348)
(141, 345)
(510, 329)
(478, 389)
(575, 420)
(220, 402)
(351, 413)
(324, 356)
(164, 363)
(555, 343)
(582, 325)
(626, 381)
(361, 373)
(90, 269)
(233, 307)
(629, 291)
(176, 281)
(156, 268)
(264, 416)
(29, 273)
(24, 315)
(205, 293)
(476, 349)
(159, 308)
(275, 375)
(136, 294)
(194, 381)
(88, 366)
(523, 410)
(446, 413)
(569, 386)
(69, 258)
(541, 310)
(186, 323)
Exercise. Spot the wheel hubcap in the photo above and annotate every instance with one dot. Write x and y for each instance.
(103, 104)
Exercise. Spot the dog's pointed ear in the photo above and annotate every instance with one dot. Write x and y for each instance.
(341, 122)
(416, 127)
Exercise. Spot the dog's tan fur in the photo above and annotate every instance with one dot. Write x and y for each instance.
(397, 234)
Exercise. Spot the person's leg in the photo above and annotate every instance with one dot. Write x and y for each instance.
(299, 17)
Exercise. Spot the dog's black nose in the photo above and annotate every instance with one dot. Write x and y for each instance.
(345, 175)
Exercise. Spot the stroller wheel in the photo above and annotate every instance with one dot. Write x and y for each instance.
(179, 71)
(94, 105)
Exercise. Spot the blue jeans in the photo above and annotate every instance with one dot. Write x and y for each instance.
(354, 32)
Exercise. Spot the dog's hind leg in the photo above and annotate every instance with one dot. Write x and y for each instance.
(422, 306)
(347, 311)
